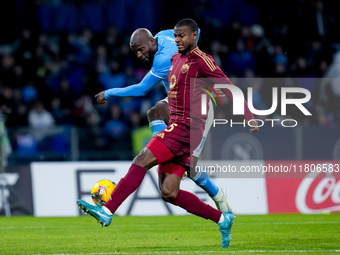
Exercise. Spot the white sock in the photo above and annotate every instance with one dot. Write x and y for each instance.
(221, 219)
(108, 212)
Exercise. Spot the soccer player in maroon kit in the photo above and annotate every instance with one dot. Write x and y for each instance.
(172, 148)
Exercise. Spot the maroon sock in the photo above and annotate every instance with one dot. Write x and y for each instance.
(194, 205)
(126, 187)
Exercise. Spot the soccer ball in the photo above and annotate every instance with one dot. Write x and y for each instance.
(101, 191)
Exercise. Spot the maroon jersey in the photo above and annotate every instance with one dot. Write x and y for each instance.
(185, 91)
(185, 129)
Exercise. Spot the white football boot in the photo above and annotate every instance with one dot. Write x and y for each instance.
(221, 201)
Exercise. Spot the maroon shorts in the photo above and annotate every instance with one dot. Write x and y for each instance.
(179, 141)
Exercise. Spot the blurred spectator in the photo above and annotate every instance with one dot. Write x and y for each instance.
(83, 46)
(300, 68)
(232, 34)
(321, 68)
(7, 99)
(29, 92)
(125, 57)
(39, 118)
(68, 44)
(324, 119)
(114, 127)
(330, 89)
(62, 64)
(101, 60)
(111, 41)
(62, 115)
(130, 76)
(19, 77)
(91, 136)
(25, 50)
(66, 65)
(218, 51)
(257, 96)
(135, 120)
(279, 56)
(19, 117)
(6, 70)
(74, 72)
(262, 50)
(115, 78)
(66, 94)
(280, 70)
(24, 47)
(240, 60)
(82, 107)
(316, 21)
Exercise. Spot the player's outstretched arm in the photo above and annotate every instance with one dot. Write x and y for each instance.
(140, 89)
(210, 70)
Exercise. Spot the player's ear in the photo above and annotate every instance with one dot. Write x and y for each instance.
(152, 41)
(194, 35)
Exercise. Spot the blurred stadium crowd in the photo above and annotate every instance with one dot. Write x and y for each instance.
(59, 54)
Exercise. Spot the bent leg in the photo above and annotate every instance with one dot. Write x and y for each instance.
(202, 179)
(155, 152)
(169, 186)
(158, 117)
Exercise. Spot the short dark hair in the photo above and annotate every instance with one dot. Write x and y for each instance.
(189, 23)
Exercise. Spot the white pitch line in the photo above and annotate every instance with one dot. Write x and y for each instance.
(201, 252)
(290, 223)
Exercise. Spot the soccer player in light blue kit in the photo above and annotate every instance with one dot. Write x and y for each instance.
(158, 50)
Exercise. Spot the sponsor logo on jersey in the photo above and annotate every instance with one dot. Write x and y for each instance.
(172, 81)
(172, 94)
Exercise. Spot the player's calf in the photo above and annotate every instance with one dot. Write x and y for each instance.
(169, 186)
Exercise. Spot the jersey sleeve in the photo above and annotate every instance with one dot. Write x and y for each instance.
(160, 73)
(140, 89)
(209, 69)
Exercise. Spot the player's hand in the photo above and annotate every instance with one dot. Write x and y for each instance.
(100, 97)
(253, 126)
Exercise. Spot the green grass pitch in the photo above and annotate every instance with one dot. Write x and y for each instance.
(265, 234)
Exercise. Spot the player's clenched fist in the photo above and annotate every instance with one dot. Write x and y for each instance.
(254, 126)
(100, 97)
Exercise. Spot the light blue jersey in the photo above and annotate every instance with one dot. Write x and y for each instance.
(159, 70)
(162, 60)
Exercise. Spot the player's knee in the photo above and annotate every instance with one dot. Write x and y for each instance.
(169, 195)
(153, 114)
(145, 159)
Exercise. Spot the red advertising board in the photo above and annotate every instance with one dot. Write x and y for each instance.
(314, 187)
